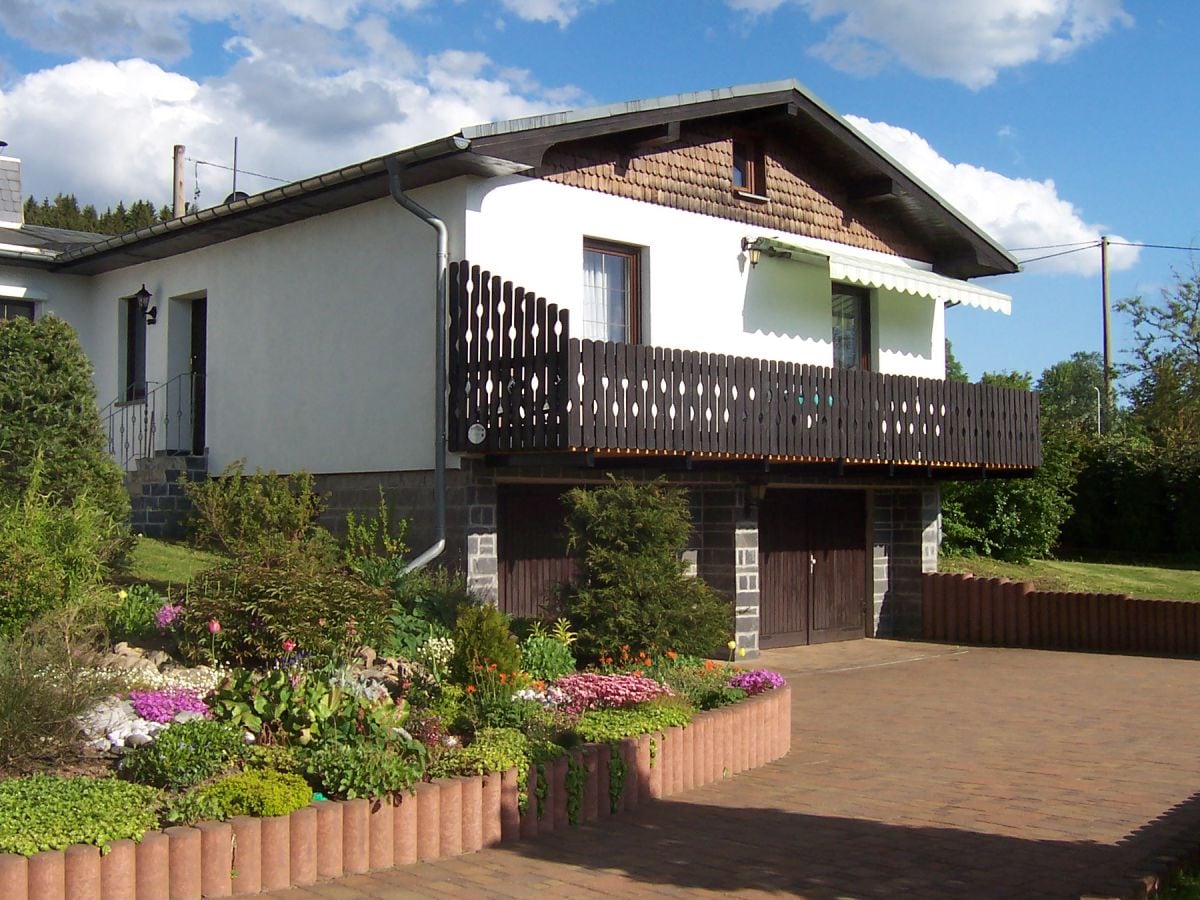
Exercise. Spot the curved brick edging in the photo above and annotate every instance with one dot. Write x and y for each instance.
(441, 818)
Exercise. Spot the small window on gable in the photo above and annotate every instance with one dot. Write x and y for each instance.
(16, 309)
(748, 173)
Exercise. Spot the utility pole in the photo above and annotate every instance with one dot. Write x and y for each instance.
(1107, 331)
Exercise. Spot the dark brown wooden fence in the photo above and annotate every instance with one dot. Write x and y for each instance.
(997, 612)
(516, 372)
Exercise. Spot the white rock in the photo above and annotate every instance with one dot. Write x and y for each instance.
(137, 739)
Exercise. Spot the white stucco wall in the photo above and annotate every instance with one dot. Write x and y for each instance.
(700, 291)
(320, 337)
(65, 296)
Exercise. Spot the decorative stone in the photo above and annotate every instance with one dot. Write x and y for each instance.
(302, 846)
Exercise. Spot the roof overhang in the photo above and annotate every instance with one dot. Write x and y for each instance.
(890, 274)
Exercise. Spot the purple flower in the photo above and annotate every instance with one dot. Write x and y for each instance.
(757, 681)
(165, 704)
(166, 615)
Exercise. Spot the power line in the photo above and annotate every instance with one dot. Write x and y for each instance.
(1051, 246)
(203, 162)
(1059, 253)
(1152, 246)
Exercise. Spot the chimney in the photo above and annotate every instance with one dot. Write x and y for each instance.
(12, 204)
(179, 205)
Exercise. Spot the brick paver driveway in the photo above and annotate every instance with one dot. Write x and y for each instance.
(916, 771)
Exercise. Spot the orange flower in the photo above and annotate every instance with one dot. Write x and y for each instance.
(503, 678)
(470, 688)
(646, 661)
(671, 654)
(708, 665)
(492, 667)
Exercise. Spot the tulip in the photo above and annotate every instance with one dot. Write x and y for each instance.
(214, 627)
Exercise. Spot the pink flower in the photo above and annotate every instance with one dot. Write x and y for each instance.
(214, 627)
(289, 645)
(589, 690)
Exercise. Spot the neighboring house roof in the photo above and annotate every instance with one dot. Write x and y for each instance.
(40, 244)
(519, 145)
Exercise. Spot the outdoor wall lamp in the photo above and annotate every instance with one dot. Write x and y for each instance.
(143, 301)
(750, 249)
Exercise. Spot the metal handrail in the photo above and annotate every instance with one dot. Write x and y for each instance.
(132, 426)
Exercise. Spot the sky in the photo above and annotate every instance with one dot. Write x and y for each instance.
(1047, 122)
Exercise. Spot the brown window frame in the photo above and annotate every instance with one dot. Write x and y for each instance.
(633, 305)
(11, 308)
(753, 165)
(863, 314)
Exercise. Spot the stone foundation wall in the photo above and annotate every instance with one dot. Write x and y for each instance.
(159, 508)
(906, 528)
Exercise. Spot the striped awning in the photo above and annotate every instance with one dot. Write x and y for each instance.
(893, 276)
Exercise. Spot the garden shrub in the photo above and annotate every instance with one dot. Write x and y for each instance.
(266, 613)
(51, 555)
(183, 755)
(613, 724)
(492, 750)
(546, 658)
(43, 688)
(427, 603)
(374, 547)
(705, 687)
(46, 812)
(631, 587)
(255, 792)
(133, 616)
(266, 518)
(348, 769)
(482, 638)
(48, 412)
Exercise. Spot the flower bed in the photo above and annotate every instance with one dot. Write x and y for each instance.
(441, 818)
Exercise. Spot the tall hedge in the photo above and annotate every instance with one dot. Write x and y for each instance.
(48, 407)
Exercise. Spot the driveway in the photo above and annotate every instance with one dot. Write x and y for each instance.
(917, 770)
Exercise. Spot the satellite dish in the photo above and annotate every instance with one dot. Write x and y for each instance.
(237, 195)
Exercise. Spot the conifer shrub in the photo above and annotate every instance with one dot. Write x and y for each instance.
(632, 589)
(482, 638)
(48, 410)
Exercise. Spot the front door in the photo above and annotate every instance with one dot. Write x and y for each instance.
(198, 367)
(532, 548)
(812, 567)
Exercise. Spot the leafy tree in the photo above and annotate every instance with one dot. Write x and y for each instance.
(1068, 390)
(954, 369)
(1166, 361)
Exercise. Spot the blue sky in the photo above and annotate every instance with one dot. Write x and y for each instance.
(1047, 121)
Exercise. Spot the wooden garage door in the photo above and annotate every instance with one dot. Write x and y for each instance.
(812, 567)
(532, 548)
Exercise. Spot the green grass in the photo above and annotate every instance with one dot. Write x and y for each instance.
(1160, 581)
(162, 564)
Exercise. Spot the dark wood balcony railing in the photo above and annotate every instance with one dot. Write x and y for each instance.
(516, 372)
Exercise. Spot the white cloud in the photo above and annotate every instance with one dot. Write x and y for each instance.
(1017, 212)
(968, 42)
(560, 12)
(104, 130)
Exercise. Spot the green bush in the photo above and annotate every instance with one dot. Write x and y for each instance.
(131, 617)
(51, 555)
(374, 548)
(703, 688)
(631, 588)
(43, 688)
(266, 518)
(613, 724)
(183, 755)
(48, 411)
(481, 638)
(364, 767)
(546, 658)
(45, 812)
(427, 602)
(264, 610)
(255, 792)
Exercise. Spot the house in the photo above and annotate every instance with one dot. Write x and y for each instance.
(732, 289)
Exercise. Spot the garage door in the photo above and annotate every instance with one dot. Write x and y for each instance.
(532, 548)
(812, 567)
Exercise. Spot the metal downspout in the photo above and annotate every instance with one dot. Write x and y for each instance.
(395, 169)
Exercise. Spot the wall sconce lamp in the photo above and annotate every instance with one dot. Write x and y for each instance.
(751, 249)
(143, 301)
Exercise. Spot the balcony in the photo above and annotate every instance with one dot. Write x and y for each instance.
(519, 383)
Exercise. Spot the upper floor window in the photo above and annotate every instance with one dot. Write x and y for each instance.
(15, 309)
(749, 171)
(611, 292)
(851, 328)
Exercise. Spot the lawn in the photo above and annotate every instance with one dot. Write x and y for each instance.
(162, 564)
(1161, 581)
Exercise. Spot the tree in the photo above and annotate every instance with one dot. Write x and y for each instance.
(1068, 390)
(1166, 361)
(954, 369)
(65, 212)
